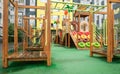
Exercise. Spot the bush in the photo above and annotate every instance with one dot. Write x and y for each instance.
(11, 33)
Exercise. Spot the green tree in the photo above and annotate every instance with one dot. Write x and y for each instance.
(11, 33)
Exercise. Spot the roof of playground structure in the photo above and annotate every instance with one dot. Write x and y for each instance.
(76, 7)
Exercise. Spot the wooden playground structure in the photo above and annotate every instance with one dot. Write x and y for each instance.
(42, 52)
(81, 11)
(29, 52)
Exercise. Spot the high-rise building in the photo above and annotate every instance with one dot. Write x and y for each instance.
(31, 12)
(1, 17)
(22, 11)
(116, 7)
(98, 18)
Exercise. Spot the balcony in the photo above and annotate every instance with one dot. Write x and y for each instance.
(116, 6)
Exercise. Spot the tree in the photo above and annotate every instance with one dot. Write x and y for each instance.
(11, 33)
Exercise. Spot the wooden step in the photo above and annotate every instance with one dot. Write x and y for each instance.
(34, 48)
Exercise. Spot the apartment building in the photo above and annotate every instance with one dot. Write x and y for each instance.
(1, 18)
(55, 14)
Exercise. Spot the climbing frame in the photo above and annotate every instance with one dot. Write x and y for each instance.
(33, 55)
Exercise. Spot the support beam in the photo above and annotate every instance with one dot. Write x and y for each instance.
(16, 29)
(32, 18)
(109, 31)
(5, 35)
(12, 2)
(91, 33)
(48, 33)
(100, 13)
(114, 1)
(32, 7)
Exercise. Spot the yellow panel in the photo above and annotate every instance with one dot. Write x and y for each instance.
(53, 13)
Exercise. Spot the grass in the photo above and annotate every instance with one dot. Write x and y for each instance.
(66, 61)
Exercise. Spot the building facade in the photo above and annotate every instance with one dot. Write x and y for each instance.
(1, 18)
(98, 18)
(116, 7)
(22, 11)
(55, 14)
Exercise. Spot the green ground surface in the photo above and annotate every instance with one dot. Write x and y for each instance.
(66, 61)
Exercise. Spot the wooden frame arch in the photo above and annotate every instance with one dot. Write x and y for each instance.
(5, 56)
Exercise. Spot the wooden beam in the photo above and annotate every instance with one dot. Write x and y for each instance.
(33, 18)
(91, 32)
(32, 7)
(12, 2)
(16, 29)
(109, 32)
(48, 33)
(114, 1)
(5, 35)
(100, 13)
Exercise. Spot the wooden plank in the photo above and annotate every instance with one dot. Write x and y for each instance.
(114, 1)
(43, 35)
(49, 32)
(16, 29)
(100, 13)
(100, 52)
(79, 22)
(12, 2)
(24, 35)
(109, 32)
(32, 18)
(26, 29)
(91, 32)
(32, 7)
(5, 34)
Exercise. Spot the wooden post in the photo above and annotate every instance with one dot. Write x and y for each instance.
(79, 23)
(5, 35)
(26, 32)
(16, 29)
(48, 32)
(91, 32)
(24, 36)
(43, 34)
(57, 34)
(109, 31)
(112, 19)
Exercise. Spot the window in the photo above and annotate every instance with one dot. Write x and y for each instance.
(41, 16)
(66, 0)
(21, 1)
(102, 3)
(32, 2)
(98, 21)
(1, 33)
(55, 17)
(32, 21)
(77, 1)
(0, 21)
(43, 1)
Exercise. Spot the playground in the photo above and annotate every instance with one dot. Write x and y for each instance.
(79, 44)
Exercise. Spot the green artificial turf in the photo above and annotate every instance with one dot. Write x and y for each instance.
(66, 61)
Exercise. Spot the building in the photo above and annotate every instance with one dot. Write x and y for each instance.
(1, 18)
(21, 12)
(98, 18)
(55, 14)
(31, 12)
(116, 7)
